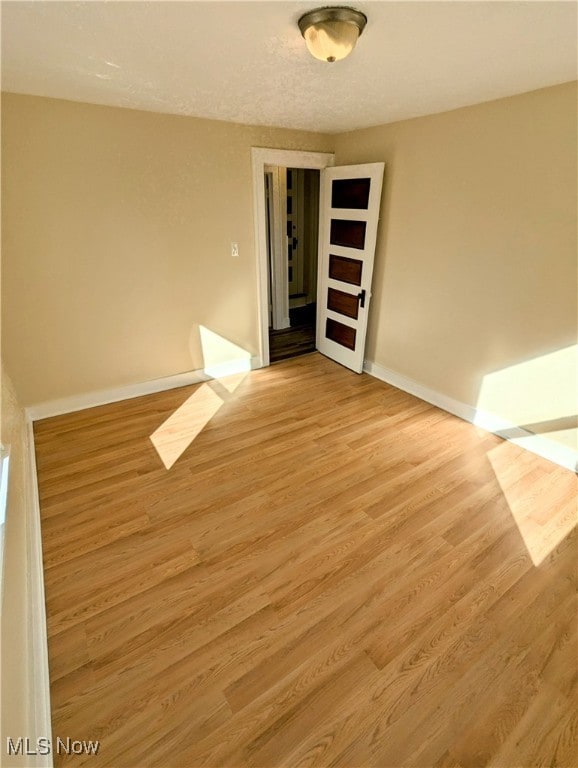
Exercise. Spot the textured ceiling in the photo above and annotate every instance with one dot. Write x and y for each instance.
(246, 61)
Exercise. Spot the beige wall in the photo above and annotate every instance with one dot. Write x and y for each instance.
(14, 655)
(117, 231)
(117, 227)
(476, 259)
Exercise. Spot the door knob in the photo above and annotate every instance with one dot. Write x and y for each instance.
(361, 297)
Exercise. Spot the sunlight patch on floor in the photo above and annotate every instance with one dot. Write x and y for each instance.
(175, 435)
(232, 382)
(224, 362)
(532, 503)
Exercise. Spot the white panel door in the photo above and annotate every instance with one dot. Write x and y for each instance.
(349, 213)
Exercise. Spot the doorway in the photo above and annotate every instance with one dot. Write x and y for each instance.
(263, 159)
(292, 211)
(349, 204)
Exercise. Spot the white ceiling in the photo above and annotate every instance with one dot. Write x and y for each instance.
(246, 61)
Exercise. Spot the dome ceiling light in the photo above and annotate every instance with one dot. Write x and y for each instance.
(331, 33)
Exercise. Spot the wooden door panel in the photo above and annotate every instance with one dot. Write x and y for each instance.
(345, 269)
(341, 334)
(344, 303)
(350, 193)
(348, 233)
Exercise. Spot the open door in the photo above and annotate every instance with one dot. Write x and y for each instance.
(348, 217)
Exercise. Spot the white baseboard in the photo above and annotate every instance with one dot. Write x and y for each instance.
(39, 713)
(538, 444)
(406, 384)
(104, 397)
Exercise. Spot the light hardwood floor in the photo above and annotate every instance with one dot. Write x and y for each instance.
(334, 573)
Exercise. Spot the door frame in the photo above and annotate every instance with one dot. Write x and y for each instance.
(279, 285)
(287, 158)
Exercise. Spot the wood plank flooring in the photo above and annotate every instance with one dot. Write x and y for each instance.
(299, 339)
(333, 573)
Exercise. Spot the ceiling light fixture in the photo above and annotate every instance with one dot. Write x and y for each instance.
(331, 33)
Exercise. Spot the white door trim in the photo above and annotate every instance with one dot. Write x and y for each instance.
(279, 296)
(287, 158)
